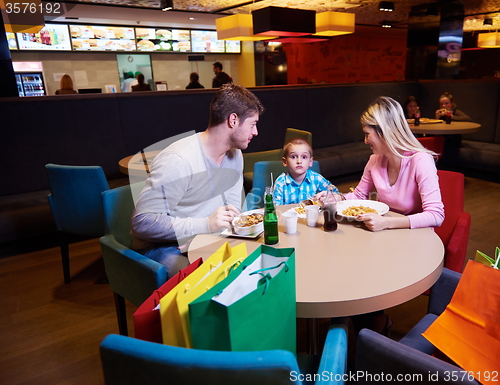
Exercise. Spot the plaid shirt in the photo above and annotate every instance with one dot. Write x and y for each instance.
(287, 191)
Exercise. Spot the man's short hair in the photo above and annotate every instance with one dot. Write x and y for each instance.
(194, 77)
(296, 142)
(232, 98)
(218, 65)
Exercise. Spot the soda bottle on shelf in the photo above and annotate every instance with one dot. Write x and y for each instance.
(270, 219)
(417, 117)
(330, 210)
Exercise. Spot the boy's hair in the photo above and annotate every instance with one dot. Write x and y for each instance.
(295, 142)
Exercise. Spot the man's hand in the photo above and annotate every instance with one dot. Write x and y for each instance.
(222, 217)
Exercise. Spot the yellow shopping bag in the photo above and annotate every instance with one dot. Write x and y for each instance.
(174, 311)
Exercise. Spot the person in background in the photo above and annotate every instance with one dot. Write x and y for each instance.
(194, 81)
(410, 107)
(141, 86)
(299, 183)
(129, 78)
(65, 86)
(404, 175)
(196, 184)
(220, 77)
(446, 103)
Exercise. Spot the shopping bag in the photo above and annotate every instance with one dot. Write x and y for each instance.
(147, 322)
(485, 260)
(173, 307)
(254, 308)
(468, 331)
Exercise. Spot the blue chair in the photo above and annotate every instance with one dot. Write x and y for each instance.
(131, 275)
(412, 354)
(75, 200)
(262, 178)
(128, 361)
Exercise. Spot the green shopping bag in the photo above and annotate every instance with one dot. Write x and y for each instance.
(254, 308)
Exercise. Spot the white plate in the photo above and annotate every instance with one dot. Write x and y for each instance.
(250, 230)
(229, 233)
(300, 215)
(381, 208)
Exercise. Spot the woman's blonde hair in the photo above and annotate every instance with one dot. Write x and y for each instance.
(387, 118)
(66, 83)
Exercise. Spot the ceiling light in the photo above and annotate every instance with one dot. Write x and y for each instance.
(166, 5)
(334, 23)
(488, 40)
(488, 21)
(386, 6)
(387, 24)
(237, 27)
(278, 21)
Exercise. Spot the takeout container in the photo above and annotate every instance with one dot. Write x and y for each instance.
(248, 230)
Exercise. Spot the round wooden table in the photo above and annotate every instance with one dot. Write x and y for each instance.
(445, 129)
(352, 270)
(137, 164)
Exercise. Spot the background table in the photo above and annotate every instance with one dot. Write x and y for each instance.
(445, 129)
(137, 164)
(352, 270)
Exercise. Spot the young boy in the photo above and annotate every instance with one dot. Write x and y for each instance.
(299, 182)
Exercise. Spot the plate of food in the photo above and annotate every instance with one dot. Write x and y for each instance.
(301, 208)
(249, 224)
(350, 209)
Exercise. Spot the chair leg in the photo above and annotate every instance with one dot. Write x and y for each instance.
(121, 314)
(63, 241)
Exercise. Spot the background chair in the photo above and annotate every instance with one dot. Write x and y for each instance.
(262, 179)
(412, 354)
(454, 232)
(250, 158)
(127, 361)
(433, 143)
(75, 200)
(131, 275)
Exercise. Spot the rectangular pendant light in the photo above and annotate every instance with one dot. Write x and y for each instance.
(488, 40)
(334, 23)
(237, 27)
(278, 21)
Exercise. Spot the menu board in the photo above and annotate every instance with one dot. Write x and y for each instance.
(102, 38)
(52, 37)
(11, 40)
(206, 41)
(233, 46)
(161, 39)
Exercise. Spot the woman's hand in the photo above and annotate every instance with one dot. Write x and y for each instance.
(373, 222)
(222, 217)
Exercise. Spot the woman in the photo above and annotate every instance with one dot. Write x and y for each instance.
(65, 86)
(404, 175)
(401, 170)
(411, 107)
(446, 103)
(141, 85)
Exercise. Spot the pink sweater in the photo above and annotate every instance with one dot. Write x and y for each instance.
(416, 191)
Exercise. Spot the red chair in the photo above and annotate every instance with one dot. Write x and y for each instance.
(433, 143)
(454, 232)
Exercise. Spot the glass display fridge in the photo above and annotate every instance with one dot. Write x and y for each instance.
(29, 78)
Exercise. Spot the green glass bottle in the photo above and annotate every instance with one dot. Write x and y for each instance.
(270, 220)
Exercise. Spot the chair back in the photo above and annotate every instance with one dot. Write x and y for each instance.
(452, 194)
(292, 133)
(118, 205)
(75, 198)
(131, 361)
(433, 143)
(262, 178)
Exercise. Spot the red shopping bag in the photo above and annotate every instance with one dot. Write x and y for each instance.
(147, 321)
(468, 330)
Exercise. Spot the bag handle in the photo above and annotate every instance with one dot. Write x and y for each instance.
(266, 277)
(231, 268)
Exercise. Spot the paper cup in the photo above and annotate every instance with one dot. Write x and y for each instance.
(290, 221)
(312, 213)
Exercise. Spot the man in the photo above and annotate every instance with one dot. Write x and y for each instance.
(196, 184)
(220, 77)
